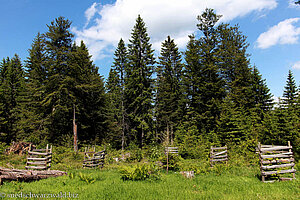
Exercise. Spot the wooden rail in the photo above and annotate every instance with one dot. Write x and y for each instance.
(39, 158)
(170, 150)
(218, 154)
(93, 159)
(276, 160)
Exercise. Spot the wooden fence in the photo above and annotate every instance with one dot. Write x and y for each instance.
(93, 159)
(39, 158)
(170, 150)
(218, 154)
(276, 161)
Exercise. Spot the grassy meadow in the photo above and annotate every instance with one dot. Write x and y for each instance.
(239, 180)
(109, 185)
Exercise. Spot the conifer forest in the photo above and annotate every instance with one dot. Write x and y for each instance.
(209, 94)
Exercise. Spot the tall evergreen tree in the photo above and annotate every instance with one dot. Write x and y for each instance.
(90, 101)
(116, 87)
(12, 90)
(284, 121)
(4, 131)
(169, 100)
(37, 74)
(59, 99)
(139, 83)
(290, 92)
(114, 92)
(204, 83)
(262, 95)
(235, 65)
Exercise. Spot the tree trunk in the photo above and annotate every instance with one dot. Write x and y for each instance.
(28, 175)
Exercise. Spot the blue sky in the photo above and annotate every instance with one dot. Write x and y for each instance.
(272, 28)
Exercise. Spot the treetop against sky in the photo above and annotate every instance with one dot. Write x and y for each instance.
(272, 28)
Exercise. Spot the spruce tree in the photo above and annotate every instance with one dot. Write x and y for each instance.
(139, 83)
(169, 100)
(205, 87)
(37, 74)
(235, 66)
(90, 101)
(114, 92)
(3, 103)
(290, 92)
(13, 93)
(263, 102)
(116, 84)
(59, 99)
(283, 123)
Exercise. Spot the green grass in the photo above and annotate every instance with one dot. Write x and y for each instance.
(239, 180)
(235, 183)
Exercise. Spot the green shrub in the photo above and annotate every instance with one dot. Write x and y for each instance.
(136, 155)
(219, 168)
(86, 178)
(198, 166)
(154, 152)
(140, 172)
(173, 161)
(3, 146)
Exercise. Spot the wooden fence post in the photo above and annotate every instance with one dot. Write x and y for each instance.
(291, 157)
(211, 154)
(218, 154)
(274, 160)
(39, 158)
(167, 160)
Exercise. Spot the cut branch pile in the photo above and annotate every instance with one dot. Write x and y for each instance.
(27, 175)
(19, 148)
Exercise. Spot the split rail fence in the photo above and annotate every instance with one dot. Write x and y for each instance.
(93, 159)
(39, 158)
(276, 161)
(218, 154)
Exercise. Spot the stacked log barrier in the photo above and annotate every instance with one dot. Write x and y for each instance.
(170, 150)
(276, 160)
(93, 159)
(39, 159)
(218, 154)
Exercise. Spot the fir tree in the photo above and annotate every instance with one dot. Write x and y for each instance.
(12, 90)
(3, 103)
(139, 83)
(262, 96)
(114, 92)
(117, 82)
(169, 101)
(290, 92)
(205, 87)
(59, 99)
(37, 73)
(235, 66)
(90, 100)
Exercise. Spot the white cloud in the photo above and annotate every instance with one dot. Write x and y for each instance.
(293, 5)
(176, 18)
(276, 99)
(282, 33)
(296, 65)
(90, 13)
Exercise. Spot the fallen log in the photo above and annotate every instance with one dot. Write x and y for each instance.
(27, 175)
